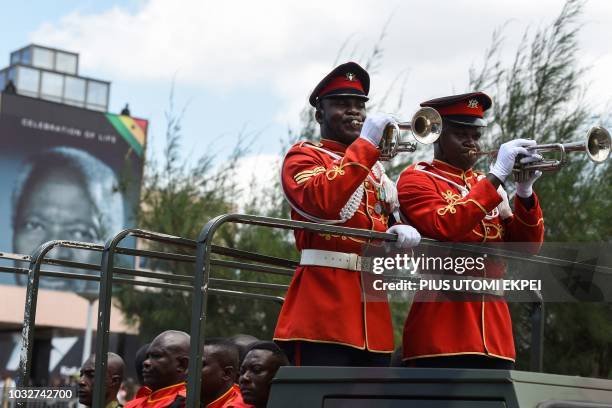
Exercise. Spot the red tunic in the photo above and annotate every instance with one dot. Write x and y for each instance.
(159, 398)
(325, 304)
(231, 399)
(438, 210)
(142, 391)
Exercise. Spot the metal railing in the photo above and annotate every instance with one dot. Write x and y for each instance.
(201, 284)
(108, 275)
(107, 278)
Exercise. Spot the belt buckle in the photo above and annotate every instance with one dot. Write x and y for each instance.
(354, 262)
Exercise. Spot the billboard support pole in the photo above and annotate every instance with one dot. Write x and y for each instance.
(104, 310)
(29, 315)
(88, 332)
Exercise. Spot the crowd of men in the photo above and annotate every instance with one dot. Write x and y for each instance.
(340, 180)
(236, 373)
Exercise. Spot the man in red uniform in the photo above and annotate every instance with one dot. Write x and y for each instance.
(325, 320)
(164, 372)
(447, 201)
(219, 370)
(261, 362)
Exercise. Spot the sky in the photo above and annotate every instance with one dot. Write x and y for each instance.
(247, 67)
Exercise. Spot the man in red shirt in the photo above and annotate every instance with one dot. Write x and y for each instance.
(219, 369)
(261, 362)
(446, 200)
(325, 319)
(164, 372)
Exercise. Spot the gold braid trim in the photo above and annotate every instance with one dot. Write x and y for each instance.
(303, 176)
(477, 353)
(499, 231)
(484, 238)
(540, 221)
(475, 202)
(461, 176)
(334, 172)
(454, 200)
(339, 170)
(328, 237)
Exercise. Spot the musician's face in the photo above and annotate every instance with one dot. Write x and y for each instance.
(456, 142)
(335, 117)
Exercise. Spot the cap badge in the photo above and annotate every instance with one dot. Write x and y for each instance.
(472, 103)
(350, 76)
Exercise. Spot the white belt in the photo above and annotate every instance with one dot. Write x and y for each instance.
(331, 259)
(353, 262)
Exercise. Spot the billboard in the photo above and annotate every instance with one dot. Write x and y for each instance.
(65, 173)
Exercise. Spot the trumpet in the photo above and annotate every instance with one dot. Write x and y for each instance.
(596, 145)
(425, 127)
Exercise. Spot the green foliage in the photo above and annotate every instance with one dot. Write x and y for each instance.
(539, 95)
(178, 199)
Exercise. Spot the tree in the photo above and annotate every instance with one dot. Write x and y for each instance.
(539, 95)
(178, 199)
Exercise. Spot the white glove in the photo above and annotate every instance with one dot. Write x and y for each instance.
(373, 127)
(407, 236)
(504, 207)
(524, 189)
(504, 163)
(390, 190)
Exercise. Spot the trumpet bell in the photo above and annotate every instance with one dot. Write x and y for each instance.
(426, 125)
(598, 144)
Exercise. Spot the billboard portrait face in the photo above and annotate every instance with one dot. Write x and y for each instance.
(67, 173)
(65, 193)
